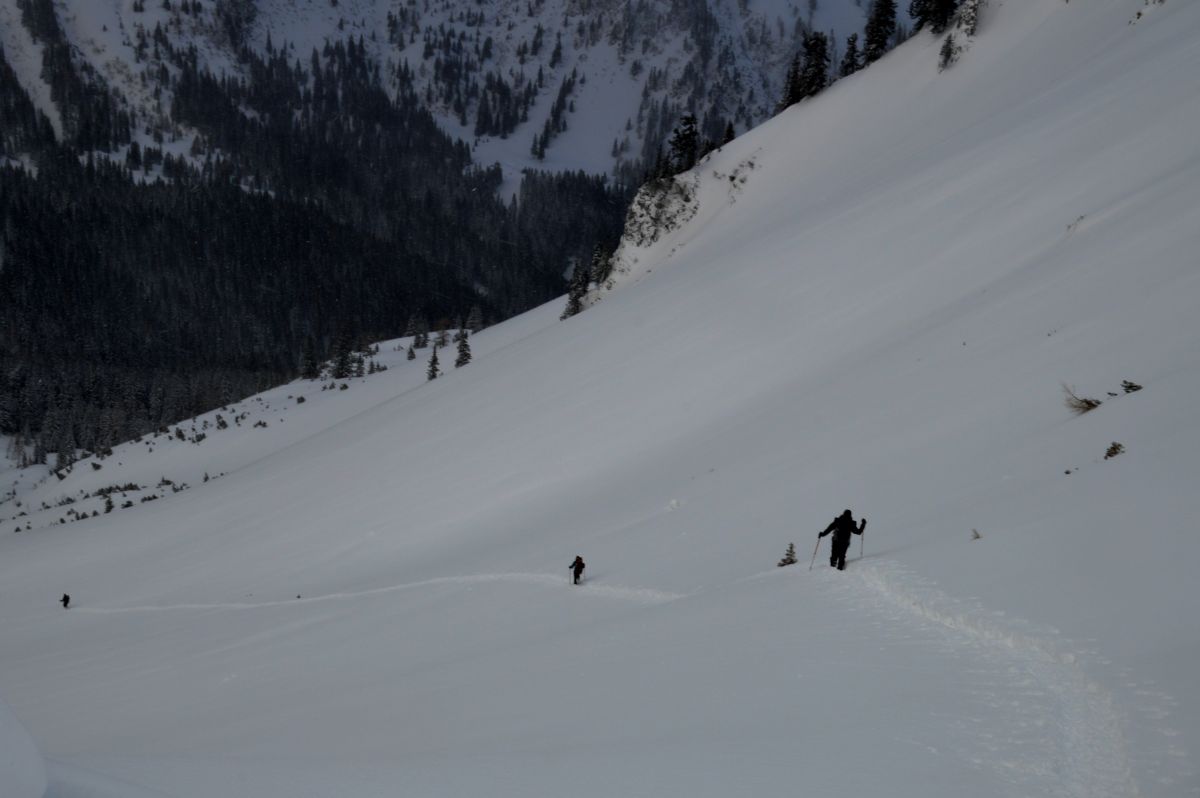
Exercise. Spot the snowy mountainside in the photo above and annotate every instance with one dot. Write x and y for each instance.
(220, 442)
(22, 772)
(384, 599)
(637, 67)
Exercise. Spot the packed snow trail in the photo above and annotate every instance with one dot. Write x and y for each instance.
(588, 587)
(1066, 724)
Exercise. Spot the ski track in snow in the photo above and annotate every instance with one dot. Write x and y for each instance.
(1067, 737)
(631, 594)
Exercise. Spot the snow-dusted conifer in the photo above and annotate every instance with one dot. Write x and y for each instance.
(968, 16)
(433, 372)
(464, 350)
(789, 557)
(576, 290)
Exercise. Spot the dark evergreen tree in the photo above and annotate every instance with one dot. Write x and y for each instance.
(685, 144)
(600, 267)
(789, 557)
(729, 135)
(432, 372)
(814, 75)
(475, 319)
(852, 60)
(343, 362)
(934, 14)
(808, 74)
(310, 367)
(881, 26)
(791, 84)
(576, 290)
(464, 350)
(948, 54)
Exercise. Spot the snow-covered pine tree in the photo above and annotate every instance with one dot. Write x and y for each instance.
(789, 557)
(968, 16)
(601, 265)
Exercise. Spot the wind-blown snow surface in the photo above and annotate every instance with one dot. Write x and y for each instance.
(878, 316)
(21, 767)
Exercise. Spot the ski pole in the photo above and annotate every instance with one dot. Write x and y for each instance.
(814, 559)
(862, 538)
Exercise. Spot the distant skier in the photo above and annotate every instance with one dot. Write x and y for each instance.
(577, 568)
(66, 601)
(842, 528)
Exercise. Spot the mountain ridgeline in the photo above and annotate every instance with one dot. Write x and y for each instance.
(146, 282)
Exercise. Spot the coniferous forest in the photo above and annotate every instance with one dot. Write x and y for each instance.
(140, 285)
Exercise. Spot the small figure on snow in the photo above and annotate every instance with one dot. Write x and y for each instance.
(842, 528)
(577, 568)
(65, 601)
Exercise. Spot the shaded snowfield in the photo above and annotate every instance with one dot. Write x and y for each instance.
(878, 316)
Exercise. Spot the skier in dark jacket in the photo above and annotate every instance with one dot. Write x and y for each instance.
(577, 568)
(66, 601)
(842, 528)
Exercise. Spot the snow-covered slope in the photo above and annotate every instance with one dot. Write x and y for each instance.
(873, 304)
(22, 772)
(638, 65)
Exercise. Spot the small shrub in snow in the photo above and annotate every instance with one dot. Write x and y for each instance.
(1130, 387)
(1078, 404)
(975, 535)
(1114, 449)
(789, 557)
